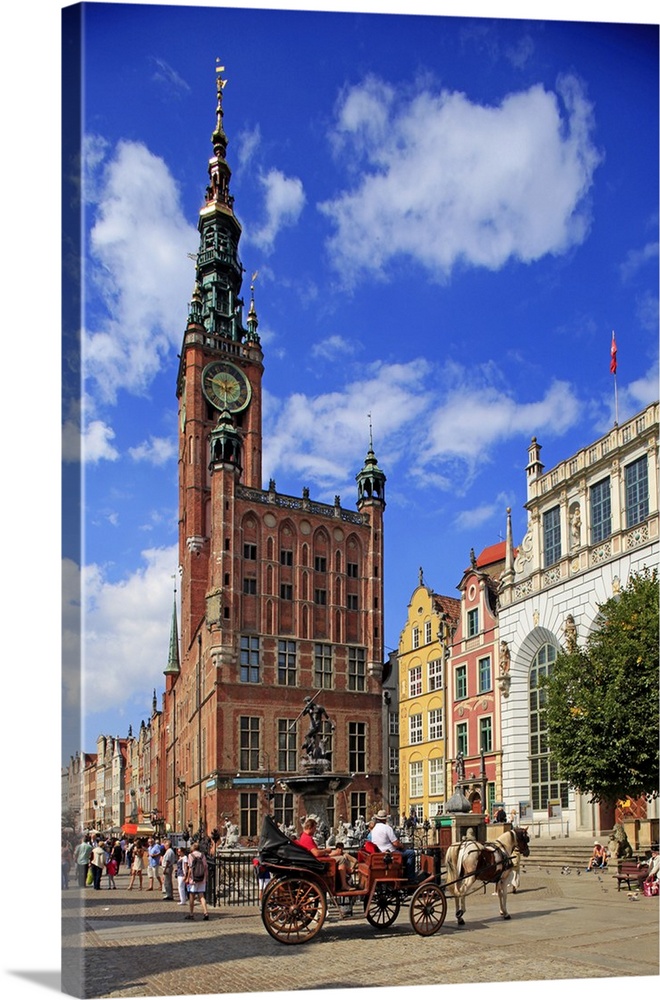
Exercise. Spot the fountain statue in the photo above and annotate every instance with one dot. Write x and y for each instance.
(315, 781)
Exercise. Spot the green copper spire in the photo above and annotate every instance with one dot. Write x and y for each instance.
(371, 478)
(217, 304)
(173, 663)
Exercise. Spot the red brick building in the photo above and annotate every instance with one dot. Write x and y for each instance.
(281, 596)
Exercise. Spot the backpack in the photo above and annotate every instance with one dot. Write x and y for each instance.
(197, 869)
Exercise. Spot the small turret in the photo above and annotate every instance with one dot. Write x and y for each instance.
(370, 479)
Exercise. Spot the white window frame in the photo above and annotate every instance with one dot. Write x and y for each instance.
(435, 675)
(415, 729)
(436, 776)
(416, 778)
(436, 724)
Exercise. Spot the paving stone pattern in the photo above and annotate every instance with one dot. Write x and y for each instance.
(563, 926)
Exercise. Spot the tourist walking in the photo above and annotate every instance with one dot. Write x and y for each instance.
(154, 866)
(67, 858)
(169, 863)
(196, 884)
(81, 857)
(181, 874)
(98, 862)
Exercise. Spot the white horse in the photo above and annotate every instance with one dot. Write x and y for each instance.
(470, 862)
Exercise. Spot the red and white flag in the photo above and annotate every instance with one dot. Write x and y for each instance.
(613, 355)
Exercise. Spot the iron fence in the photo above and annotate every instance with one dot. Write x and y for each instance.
(232, 879)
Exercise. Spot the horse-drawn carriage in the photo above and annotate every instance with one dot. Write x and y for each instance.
(295, 901)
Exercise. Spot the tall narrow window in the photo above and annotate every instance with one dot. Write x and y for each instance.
(287, 750)
(393, 760)
(283, 808)
(415, 728)
(415, 637)
(601, 512)
(637, 491)
(249, 814)
(485, 681)
(286, 662)
(461, 682)
(249, 742)
(356, 669)
(250, 659)
(415, 682)
(357, 747)
(416, 778)
(473, 622)
(551, 537)
(427, 632)
(436, 776)
(436, 728)
(462, 738)
(435, 675)
(486, 734)
(322, 665)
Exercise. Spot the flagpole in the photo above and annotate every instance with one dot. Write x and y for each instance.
(613, 368)
(616, 403)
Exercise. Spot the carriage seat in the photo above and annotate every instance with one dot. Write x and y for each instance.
(385, 863)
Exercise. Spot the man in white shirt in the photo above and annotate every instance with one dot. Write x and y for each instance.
(385, 839)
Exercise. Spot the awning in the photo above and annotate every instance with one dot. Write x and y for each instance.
(137, 830)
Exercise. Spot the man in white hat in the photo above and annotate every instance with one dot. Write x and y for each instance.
(385, 839)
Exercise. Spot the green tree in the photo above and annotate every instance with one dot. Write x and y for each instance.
(602, 701)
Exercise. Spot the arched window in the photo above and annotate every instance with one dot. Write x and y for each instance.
(543, 771)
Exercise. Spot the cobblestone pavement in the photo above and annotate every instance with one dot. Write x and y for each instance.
(563, 926)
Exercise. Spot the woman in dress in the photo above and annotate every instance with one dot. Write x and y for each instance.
(138, 864)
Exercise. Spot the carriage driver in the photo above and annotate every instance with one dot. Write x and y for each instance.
(385, 839)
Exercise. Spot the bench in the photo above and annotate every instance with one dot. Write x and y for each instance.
(630, 873)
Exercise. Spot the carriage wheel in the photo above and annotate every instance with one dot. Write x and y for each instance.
(384, 906)
(293, 909)
(428, 909)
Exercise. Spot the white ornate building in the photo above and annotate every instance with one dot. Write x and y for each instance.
(592, 522)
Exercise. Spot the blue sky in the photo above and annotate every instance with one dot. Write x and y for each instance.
(447, 217)
(512, 332)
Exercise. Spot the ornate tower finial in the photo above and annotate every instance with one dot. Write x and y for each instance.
(219, 138)
(370, 479)
(252, 321)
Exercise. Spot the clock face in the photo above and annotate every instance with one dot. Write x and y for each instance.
(226, 387)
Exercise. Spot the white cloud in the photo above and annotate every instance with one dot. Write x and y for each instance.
(467, 520)
(248, 142)
(95, 442)
(636, 259)
(494, 416)
(138, 268)
(284, 201)
(333, 348)
(125, 630)
(322, 437)
(155, 451)
(447, 182)
(423, 430)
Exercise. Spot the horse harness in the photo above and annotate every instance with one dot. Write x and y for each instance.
(493, 860)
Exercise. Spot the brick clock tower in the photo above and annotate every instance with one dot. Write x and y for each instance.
(281, 597)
